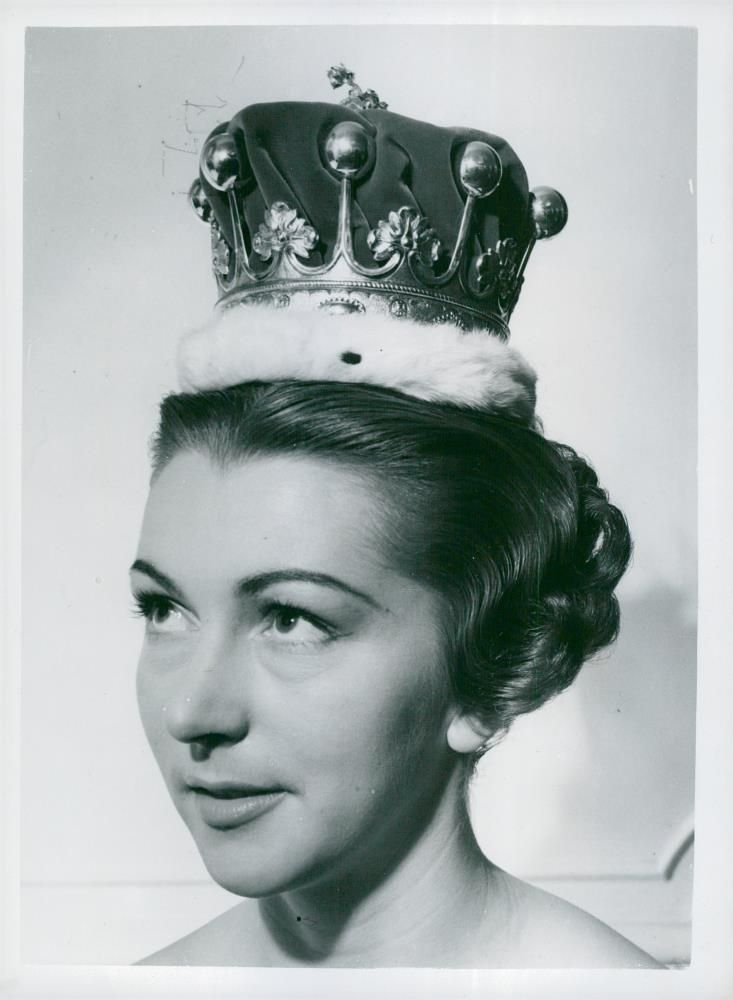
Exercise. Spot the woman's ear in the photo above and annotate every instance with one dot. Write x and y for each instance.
(469, 734)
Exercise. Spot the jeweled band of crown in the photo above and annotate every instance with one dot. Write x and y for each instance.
(412, 273)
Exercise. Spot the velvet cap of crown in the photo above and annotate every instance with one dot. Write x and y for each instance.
(352, 209)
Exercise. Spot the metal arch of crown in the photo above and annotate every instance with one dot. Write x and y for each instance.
(412, 276)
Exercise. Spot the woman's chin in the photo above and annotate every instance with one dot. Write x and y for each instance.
(257, 879)
(246, 874)
(256, 865)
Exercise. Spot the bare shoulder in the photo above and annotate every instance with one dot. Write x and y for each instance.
(552, 933)
(214, 943)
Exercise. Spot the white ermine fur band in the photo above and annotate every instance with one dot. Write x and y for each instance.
(432, 362)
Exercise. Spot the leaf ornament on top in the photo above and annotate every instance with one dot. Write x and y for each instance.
(358, 99)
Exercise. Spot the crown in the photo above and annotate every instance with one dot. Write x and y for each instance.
(350, 208)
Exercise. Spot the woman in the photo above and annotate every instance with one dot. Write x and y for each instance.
(361, 560)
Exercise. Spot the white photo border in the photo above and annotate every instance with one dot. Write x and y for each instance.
(711, 971)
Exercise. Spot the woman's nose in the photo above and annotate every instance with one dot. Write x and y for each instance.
(210, 704)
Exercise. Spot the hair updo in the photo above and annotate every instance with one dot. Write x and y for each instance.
(512, 530)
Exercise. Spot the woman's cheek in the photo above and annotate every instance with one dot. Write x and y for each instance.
(151, 700)
(366, 720)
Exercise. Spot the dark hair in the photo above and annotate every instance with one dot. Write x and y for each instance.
(511, 529)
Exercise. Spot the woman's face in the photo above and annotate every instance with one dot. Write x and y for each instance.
(291, 682)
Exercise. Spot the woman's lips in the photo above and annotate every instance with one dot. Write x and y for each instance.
(225, 805)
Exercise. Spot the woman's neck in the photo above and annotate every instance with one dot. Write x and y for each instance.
(420, 907)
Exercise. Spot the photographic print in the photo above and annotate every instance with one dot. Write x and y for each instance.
(359, 457)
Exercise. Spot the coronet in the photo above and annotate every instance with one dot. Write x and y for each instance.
(313, 204)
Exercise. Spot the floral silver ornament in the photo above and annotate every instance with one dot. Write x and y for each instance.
(276, 300)
(404, 231)
(496, 268)
(497, 271)
(221, 252)
(283, 228)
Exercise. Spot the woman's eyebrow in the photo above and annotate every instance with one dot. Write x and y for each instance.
(257, 583)
(143, 566)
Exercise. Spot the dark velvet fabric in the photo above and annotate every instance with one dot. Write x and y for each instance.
(416, 164)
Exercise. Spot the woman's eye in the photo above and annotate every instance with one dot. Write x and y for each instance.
(161, 615)
(286, 624)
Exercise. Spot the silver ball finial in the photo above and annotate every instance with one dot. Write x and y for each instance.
(348, 149)
(480, 169)
(549, 212)
(220, 161)
(198, 201)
